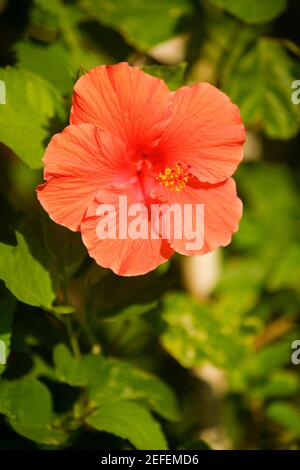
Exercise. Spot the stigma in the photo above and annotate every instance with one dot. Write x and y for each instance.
(175, 178)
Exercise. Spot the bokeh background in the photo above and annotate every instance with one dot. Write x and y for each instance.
(198, 353)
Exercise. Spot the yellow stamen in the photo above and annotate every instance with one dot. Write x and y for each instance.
(175, 178)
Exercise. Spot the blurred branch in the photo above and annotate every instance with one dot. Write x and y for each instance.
(273, 331)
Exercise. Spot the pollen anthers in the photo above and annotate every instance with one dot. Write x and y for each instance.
(175, 178)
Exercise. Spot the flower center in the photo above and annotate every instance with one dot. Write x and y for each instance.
(175, 178)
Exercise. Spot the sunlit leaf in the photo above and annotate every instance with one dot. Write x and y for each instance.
(129, 421)
(253, 11)
(24, 276)
(143, 24)
(121, 381)
(49, 61)
(259, 82)
(32, 106)
(195, 335)
(75, 371)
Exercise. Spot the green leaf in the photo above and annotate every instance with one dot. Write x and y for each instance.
(253, 11)
(128, 312)
(272, 357)
(261, 374)
(280, 384)
(63, 309)
(287, 271)
(49, 61)
(129, 421)
(24, 276)
(7, 307)
(259, 82)
(76, 372)
(285, 414)
(194, 334)
(172, 75)
(143, 24)
(32, 105)
(240, 286)
(40, 368)
(121, 381)
(63, 20)
(27, 404)
(272, 239)
(259, 185)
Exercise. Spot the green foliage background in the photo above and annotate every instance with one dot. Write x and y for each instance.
(98, 361)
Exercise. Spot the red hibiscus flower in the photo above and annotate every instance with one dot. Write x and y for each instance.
(130, 136)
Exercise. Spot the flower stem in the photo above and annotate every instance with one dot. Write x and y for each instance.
(72, 337)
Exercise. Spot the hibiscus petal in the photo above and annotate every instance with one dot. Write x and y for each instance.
(126, 257)
(205, 132)
(124, 101)
(66, 199)
(222, 213)
(78, 163)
